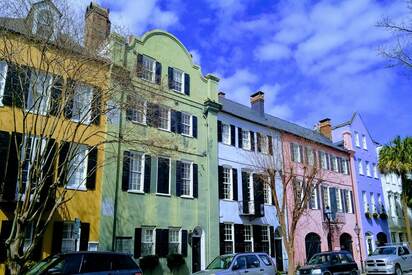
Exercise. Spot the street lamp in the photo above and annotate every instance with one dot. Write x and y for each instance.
(357, 231)
(328, 215)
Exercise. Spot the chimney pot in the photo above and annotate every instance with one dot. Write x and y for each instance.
(325, 127)
(257, 102)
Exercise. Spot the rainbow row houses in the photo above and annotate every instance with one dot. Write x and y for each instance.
(191, 186)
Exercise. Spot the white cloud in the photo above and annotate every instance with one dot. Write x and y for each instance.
(196, 56)
(273, 51)
(239, 86)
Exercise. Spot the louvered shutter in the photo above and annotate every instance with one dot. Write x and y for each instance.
(84, 236)
(240, 137)
(170, 78)
(219, 131)
(270, 145)
(17, 85)
(239, 238)
(57, 237)
(69, 97)
(351, 201)
(137, 243)
(6, 227)
(194, 122)
(173, 121)
(258, 196)
(272, 241)
(179, 127)
(64, 159)
(91, 169)
(187, 84)
(232, 135)
(222, 238)
(343, 199)
(4, 152)
(129, 109)
(245, 191)
(96, 107)
(126, 169)
(259, 142)
(220, 181)
(235, 188)
(195, 180)
(252, 141)
(184, 243)
(178, 178)
(9, 188)
(163, 176)
(147, 173)
(257, 238)
(162, 242)
(139, 66)
(158, 77)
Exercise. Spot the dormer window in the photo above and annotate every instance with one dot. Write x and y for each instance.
(44, 21)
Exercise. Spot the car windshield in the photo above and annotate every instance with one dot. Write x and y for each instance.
(385, 251)
(319, 259)
(221, 262)
(43, 265)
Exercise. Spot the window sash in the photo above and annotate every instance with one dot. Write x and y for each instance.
(148, 68)
(267, 194)
(3, 76)
(360, 166)
(164, 118)
(178, 83)
(186, 124)
(357, 142)
(226, 135)
(339, 200)
(174, 240)
(264, 144)
(68, 240)
(39, 92)
(227, 183)
(124, 245)
(139, 113)
(368, 169)
(364, 144)
(246, 144)
(78, 168)
(136, 172)
(314, 199)
(187, 178)
(228, 233)
(82, 102)
(148, 241)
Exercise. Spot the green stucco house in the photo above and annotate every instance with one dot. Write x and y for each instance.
(160, 193)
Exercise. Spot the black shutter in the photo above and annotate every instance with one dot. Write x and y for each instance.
(252, 141)
(333, 203)
(292, 155)
(195, 180)
(245, 191)
(178, 178)
(163, 176)
(173, 121)
(84, 236)
(239, 137)
(37, 251)
(343, 200)
(272, 241)
(9, 188)
(239, 238)
(235, 191)
(232, 135)
(162, 242)
(170, 77)
(318, 196)
(6, 226)
(139, 67)
(126, 169)
(137, 251)
(301, 153)
(55, 96)
(219, 131)
(129, 110)
(270, 145)
(63, 168)
(17, 85)
(222, 238)
(96, 107)
(179, 127)
(184, 243)
(220, 181)
(187, 84)
(69, 94)
(158, 77)
(91, 169)
(147, 173)
(258, 141)
(258, 195)
(48, 170)
(257, 238)
(57, 237)
(4, 152)
(194, 122)
(152, 115)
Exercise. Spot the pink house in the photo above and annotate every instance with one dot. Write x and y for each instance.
(331, 222)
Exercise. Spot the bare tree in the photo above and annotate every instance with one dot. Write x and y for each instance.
(292, 185)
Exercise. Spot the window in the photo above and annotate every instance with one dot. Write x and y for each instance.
(267, 193)
(178, 80)
(360, 167)
(82, 102)
(265, 259)
(298, 190)
(124, 244)
(248, 233)
(38, 94)
(28, 236)
(296, 152)
(375, 171)
(325, 197)
(174, 240)
(349, 201)
(68, 238)
(78, 168)
(364, 142)
(228, 238)
(345, 168)
(187, 172)
(314, 199)
(339, 200)
(227, 183)
(164, 118)
(324, 160)
(226, 133)
(43, 24)
(139, 113)
(365, 202)
(246, 144)
(357, 142)
(148, 241)
(265, 239)
(34, 147)
(310, 156)
(148, 68)
(136, 171)
(368, 169)
(380, 204)
(252, 261)
(335, 166)
(186, 124)
(3, 74)
(163, 175)
(264, 144)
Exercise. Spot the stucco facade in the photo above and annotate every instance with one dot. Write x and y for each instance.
(370, 195)
(140, 220)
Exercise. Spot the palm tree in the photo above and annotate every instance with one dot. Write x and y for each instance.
(396, 157)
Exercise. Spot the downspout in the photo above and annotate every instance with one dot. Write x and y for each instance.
(119, 155)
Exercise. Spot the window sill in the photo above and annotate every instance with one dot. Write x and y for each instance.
(189, 136)
(177, 91)
(163, 195)
(229, 200)
(147, 80)
(227, 144)
(187, 197)
(139, 123)
(81, 188)
(165, 130)
(135, 192)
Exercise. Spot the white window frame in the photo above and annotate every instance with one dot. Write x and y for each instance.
(335, 164)
(182, 79)
(360, 167)
(264, 144)
(297, 153)
(170, 174)
(190, 125)
(35, 141)
(39, 107)
(365, 202)
(226, 135)
(72, 182)
(246, 140)
(133, 157)
(375, 171)
(140, 108)
(266, 229)
(3, 75)
(314, 196)
(373, 203)
(83, 99)
(148, 70)
(143, 239)
(267, 193)
(178, 242)
(247, 238)
(345, 167)
(324, 160)
(357, 141)
(190, 163)
(310, 156)
(364, 143)
(327, 197)
(125, 243)
(76, 244)
(251, 191)
(229, 171)
(368, 169)
(349, 201)
(162, 108)
(232, 235)
(339, 200)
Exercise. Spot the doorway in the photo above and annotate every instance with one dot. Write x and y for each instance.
(278, 250)
(196, 256)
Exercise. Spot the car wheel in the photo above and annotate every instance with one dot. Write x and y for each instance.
(398, 270)
(354, 272)
(327, 273)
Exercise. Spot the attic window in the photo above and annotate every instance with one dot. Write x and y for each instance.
(43, 24)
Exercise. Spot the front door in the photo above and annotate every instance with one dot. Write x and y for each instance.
(279, 254)
(195, 254)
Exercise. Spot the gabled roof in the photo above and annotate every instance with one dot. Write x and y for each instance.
(349, 122)
(346, 123)
(246, 113)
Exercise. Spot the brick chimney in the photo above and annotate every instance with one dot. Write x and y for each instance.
(257, 102)
(325, 128)
(97, 26)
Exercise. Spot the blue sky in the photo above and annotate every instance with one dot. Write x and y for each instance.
(313, 59)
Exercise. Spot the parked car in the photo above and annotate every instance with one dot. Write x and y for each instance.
(240, 263)
(329, 263)
(389, 259)
(86, 263)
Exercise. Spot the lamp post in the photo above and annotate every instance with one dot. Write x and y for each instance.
(357, 232)
(328, 216)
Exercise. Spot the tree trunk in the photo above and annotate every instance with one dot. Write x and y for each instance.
(13, 264)
(14, 267)
(406, 208)
(291, 260)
